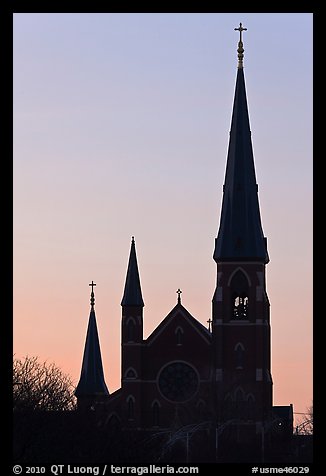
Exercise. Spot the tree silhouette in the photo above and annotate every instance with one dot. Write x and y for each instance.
(41, 386)
(306, 424)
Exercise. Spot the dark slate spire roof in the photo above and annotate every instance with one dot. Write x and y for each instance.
(91, 380)
(132, 295)
(240, 235)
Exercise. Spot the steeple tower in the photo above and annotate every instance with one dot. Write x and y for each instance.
(91, 388)
(240, 235)
(241, 327)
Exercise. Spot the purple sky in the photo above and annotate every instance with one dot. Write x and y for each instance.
(121, 126)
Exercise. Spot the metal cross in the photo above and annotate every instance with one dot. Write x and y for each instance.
(92, 293)
(179, 297)
(209, 324)
(240, 29)
(92, 284)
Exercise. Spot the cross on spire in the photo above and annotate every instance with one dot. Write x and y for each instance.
(210, 324)
(92, 293)
(240, 46)
(240, 30)
(179, 295)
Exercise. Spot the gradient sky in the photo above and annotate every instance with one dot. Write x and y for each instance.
(121, 127)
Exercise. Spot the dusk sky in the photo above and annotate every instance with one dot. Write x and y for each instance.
(121, 129)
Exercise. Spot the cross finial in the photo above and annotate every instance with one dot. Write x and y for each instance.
(179, 297)
(92, 294)
(240, 29)
(209, 324)
(240, 46)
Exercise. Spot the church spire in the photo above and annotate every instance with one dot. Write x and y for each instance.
(91, 382)
(240, 235)
(132, 295)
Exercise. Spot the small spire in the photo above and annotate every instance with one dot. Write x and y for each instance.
(240, 46)
(132, 295)
(92, 294)
(91, 382)
(179, 295)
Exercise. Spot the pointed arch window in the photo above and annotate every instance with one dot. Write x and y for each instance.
(131, 373)
(240, 307)
(240, 402)
(179, 335)
(240, 292)
(239, 395)
(131, 407)
(239, 351)
(114, 422)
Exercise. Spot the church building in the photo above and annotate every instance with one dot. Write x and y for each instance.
(184, 378)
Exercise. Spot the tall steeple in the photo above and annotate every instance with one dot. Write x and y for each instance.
(91, 383)
(240, 235)
(241, 320)
(132, 295)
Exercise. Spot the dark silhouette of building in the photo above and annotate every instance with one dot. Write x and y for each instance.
(195, 392)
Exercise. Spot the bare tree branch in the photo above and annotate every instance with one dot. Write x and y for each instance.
(41, 386)
(306, 424)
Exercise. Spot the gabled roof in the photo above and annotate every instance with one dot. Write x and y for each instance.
(240, 235)
(92, 377)
(179, 309)
(132, 295)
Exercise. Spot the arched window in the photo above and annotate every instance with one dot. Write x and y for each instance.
(156, 414)
(131, 373)
(239, 395)
(239, 293)
(240, 403)
(114, 422)
(131, 407)
(179, 335)
(240, 307)
(239, 355)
